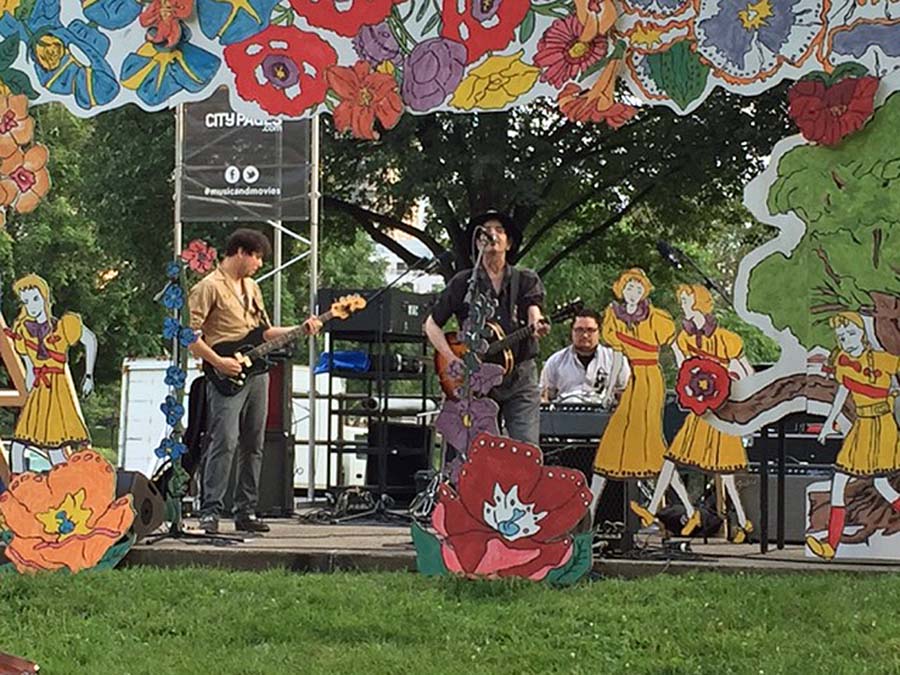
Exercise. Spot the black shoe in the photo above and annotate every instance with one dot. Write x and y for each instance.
(250, 524)
(209, 524)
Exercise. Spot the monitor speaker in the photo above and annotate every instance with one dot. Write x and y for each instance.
(149, 505)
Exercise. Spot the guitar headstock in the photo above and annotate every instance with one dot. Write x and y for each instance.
(346, 305)
(567, 311)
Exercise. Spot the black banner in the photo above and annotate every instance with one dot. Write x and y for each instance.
(236, 168)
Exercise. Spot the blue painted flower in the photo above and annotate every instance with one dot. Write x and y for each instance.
(169, 447)
(751, 39)
(231, 21)
(172, 409)
(111, 14)
(173, 269)
(171, 328)
(175, 377)
(82, 73)
(187, 336)
(173, 298)
(157, 73)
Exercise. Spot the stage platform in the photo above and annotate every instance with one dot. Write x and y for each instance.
(301, 546)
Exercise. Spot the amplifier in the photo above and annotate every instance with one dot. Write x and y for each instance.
(796, 480)
(395, 312)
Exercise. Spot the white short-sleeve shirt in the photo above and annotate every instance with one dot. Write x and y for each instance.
(564, 373)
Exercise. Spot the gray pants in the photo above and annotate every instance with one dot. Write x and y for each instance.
(234, 423)
(519, 398)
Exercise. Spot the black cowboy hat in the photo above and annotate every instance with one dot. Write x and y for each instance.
(513, 232)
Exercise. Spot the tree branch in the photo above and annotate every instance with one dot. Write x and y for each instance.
(599, 229)
(363, 215)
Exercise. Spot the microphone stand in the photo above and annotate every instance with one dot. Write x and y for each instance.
(674, 256)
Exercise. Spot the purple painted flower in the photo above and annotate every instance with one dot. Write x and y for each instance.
(859, 38)
(484, 10)
(280, 71)
(376, 44)
(751, 39)
(433, 70)
(460, 421)
(488, 376)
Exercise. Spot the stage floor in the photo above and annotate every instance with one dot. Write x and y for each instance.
(298, 545)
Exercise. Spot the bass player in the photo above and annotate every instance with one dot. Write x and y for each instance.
(226, 305)
(519, 294)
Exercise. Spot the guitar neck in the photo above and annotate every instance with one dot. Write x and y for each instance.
(279, 342)
(511, 339)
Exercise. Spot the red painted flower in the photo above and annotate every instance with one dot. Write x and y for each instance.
(482, 25)
(346, 22)
(703, 384)
(273, 69)
(199, 257)
(365, 96)
(512, 516)
(163, 19)
(575, 104)
(562, 55)
(826, 114)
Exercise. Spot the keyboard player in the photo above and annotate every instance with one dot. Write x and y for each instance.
(580, 372)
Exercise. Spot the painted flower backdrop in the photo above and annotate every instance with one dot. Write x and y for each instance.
(370, 61)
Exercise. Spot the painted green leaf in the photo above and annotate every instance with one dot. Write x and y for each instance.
(428, 552)
(9, 51)
(679, 73)
(579, 564)
(18, 82)
(115, 553)
(526, 28)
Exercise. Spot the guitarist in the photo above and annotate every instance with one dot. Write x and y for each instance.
(519, 294)
(224, 306)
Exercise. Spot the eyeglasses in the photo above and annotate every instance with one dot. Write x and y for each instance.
(586, 331)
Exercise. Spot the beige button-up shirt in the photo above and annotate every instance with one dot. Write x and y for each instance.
(220, 313)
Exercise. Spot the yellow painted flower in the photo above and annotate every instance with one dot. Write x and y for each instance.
(9, 6)
(68, 518)
(49, 52)
(4, 90)
(386, 67)
(495, 83)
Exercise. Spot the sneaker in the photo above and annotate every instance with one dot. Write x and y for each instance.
(209, 524)
(250, 524)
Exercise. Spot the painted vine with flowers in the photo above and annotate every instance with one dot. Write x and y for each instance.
(371, 61)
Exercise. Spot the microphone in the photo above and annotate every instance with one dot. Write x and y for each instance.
(443, 259)
(486, 235)
(670, 254)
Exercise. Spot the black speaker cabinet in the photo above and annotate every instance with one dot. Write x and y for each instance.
(395, 312)
(395, 453)
(276, 478)
(794, 501)
(149, 505)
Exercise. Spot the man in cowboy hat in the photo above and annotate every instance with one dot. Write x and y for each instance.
(519, 294)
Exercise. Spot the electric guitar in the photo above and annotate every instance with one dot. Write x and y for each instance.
(500, 346)
(252, 349)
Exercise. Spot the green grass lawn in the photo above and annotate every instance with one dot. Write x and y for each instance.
(204, 621)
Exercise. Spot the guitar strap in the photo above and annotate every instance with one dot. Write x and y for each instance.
(514, 295)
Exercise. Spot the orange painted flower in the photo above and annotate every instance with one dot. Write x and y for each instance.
(67, 518)
(16, 126)
(365, 96)
(163, 19)
(578, 106)
(26, 177)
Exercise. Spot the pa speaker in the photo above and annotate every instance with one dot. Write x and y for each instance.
(149, 505)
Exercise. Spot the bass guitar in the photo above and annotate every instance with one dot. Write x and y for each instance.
(252, 349)
(500, 346)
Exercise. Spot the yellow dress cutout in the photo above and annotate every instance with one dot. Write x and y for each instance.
(871, 446)
(697, 443)
(632, 445)
(50, 417)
